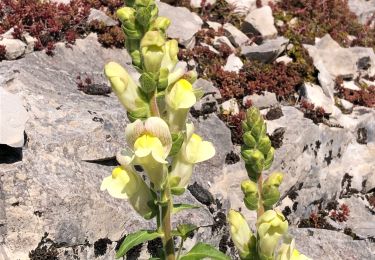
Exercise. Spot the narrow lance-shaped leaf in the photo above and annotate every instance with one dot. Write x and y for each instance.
(201, 251)
(135, 239)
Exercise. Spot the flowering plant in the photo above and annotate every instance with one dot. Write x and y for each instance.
(159, 138)
(259, 195)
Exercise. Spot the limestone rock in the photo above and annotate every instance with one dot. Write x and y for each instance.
(100, 16)
(199, 3)
(237, 37)
(13, 117)
(214, 25)
(219, 40)
(184, 24)
(364, 9)
(267, 52)
(340, 61)
(14, 48)
(233, 63)
(315, 95)
(230, 107)
(242, 7)
(266, 100)
(285, 59)
(208, 103)
(260, 21)
(330, 245)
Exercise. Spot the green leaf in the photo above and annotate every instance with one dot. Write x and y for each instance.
(177, 140)
(201, 250)
(178, 207)
(148, 84)
(186, 229)
(135, 239)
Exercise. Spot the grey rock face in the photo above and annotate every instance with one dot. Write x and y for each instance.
(208, 103)
(14, 48)
(13, 117)
(331, 245)
(100, 16)
(267, 52)
(260, 21)
(184, 24)
(237, 37)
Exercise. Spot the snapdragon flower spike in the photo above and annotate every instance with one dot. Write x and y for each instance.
(287, 251)
(151, 142)
(194, 150)
(125, 183)
(242, 237)
(180, 98)
(271, 226)
(126, 90)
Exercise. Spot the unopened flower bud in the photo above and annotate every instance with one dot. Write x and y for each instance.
(242, 237)
(250, 190)
(254, 162)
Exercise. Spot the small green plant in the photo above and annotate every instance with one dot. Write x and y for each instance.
(261, 195)
(159, 138)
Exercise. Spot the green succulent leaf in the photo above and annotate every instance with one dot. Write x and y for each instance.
(180, 206)
(135, 239)
(201, 251)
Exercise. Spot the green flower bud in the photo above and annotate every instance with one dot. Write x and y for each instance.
(269, 159)
(245, 127)
(259, 129)
(249, 140)
(160, 24)
(250, 189)
(271, 227)
(126, 15)
(271, 193)
(254, 162)
(242, 237)
(264, 145)
(274, 179)
(252, 116)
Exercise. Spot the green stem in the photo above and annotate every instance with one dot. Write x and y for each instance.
(260, 210)
(166, 210)
(180, 248)
(154, 106)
